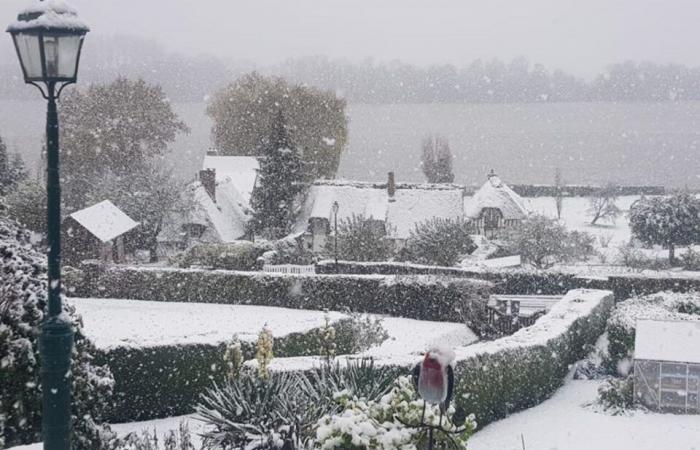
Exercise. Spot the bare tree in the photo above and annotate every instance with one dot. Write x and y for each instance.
(437, 159)
(558, 191)
(602, 204)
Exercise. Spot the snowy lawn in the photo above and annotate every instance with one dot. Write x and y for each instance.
(119, 323)
(565, 423)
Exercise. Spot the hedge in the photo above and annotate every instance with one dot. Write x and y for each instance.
(580, 190)
(166, 380)
(421, 297)
(496, 378)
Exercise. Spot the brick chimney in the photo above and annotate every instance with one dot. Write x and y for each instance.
(391, 187)
(208, 179)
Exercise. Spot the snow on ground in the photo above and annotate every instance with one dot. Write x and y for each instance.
(113, 322)
(576, 217)
(563, 423)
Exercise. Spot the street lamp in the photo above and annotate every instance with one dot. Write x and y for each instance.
(336, 207)
(48, 37)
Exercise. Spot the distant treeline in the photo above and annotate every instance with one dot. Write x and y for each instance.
(186, 78)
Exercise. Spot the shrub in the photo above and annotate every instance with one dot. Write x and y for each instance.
(173, 440)
(23, 298)
(288, 250)
(543, 242)
(440, 241)
(361, 238)
(635, 258)
(27, 205)
(240, 255)
(616, 395)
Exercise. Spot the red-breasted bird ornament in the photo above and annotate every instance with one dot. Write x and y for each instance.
(434, 377)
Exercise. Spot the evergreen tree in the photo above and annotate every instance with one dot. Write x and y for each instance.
(12, 171)
(280, 180)
(436, 160)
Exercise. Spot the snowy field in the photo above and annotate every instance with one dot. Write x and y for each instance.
(564, 422)
(576, 217)
(116, 322)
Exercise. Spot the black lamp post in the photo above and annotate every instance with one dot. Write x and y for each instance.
(336, 207)
(48, 37)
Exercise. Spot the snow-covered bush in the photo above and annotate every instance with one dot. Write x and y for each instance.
(616, 395)
(23, 299)
(691, 259)
(363, 423)
(440, 241)
(622, 324)
(240, 255)
(630, 255)
(544, 242)
(361, 238)
(27, 205)
(289, 250)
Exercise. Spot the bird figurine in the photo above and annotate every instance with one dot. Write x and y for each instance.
(434, 378)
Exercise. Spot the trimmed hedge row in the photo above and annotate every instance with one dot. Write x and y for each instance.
(420, 297)
(526, 282)
(166, 380)
(580, 190)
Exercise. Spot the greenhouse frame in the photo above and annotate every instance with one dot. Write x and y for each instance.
(667, 366)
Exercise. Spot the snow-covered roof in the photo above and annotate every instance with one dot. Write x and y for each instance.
(49, 14)
(676, 341)
(104, 221)
(241, 171)
(495, 194)
(411, 204)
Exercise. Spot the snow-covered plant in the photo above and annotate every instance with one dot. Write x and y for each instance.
(27, 205)
(365, 332)
(327, 335)
(234, 358)
(390, 422)
(251, 412)
(543, 242)
(264, 351)
(173, 440)
(23, 299)
(440, 241)
(12, 170)
(616, 395)
(360, 238)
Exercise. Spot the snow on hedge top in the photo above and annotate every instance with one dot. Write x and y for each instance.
(241, 171)
(50, 14)
(137, 323)
(667, 340)
(104, 220)
(411, 204)
(496, 194)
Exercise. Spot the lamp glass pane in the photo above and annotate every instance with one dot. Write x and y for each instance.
(68, 49)
(29, 54)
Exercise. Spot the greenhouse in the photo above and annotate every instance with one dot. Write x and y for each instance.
(667, 366)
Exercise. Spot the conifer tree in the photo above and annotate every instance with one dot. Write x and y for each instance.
(280, 180)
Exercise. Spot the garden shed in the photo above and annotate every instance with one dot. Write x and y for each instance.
(96, 232)
(667, 365)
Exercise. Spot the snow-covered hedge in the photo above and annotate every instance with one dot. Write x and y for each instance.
(166, 380)
(630, 286)
(496, 378)
(23, 297)
(509, 282)
(419, 297)
(660, 306)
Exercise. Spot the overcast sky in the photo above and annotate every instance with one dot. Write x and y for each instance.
(580, 36)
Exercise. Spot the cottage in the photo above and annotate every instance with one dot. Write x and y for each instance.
(96, 232)
(494, 206)
(667, 365)
(222, 196)
(396, 208)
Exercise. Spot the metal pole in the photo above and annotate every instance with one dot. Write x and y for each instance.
(56, 341)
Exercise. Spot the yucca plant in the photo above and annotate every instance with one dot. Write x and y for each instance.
(250, 412)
